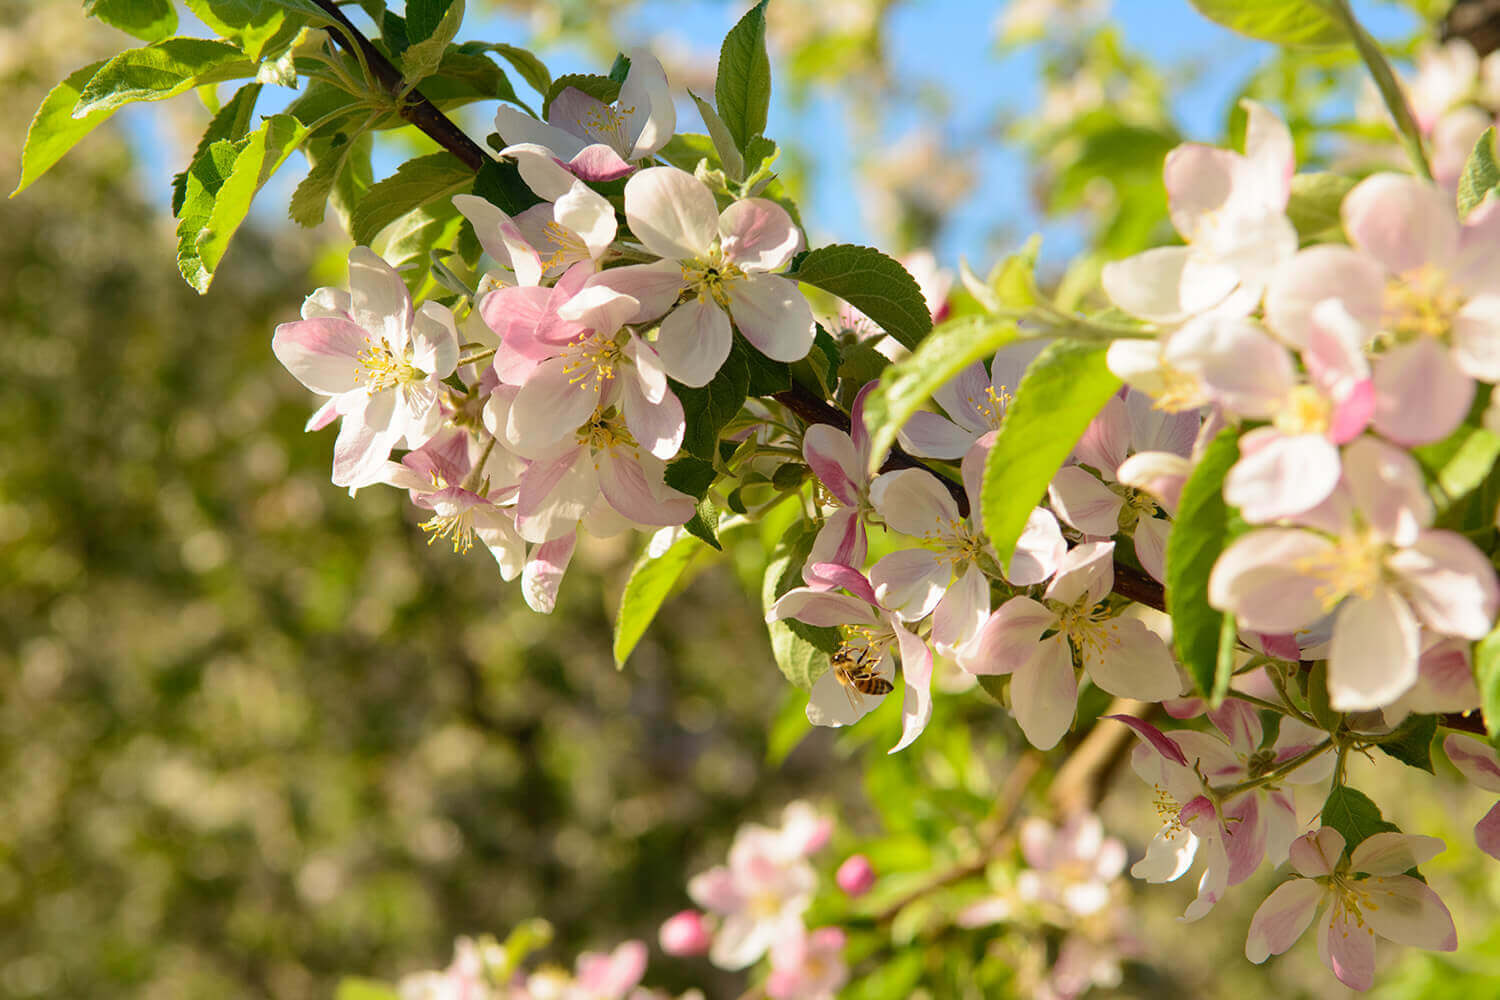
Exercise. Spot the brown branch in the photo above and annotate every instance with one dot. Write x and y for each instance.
(415, 108)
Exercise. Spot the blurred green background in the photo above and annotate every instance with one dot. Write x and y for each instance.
(255, 735)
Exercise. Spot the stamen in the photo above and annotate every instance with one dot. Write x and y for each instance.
(380, 369)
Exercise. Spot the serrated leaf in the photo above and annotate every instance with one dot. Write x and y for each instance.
(461, 74)
(620, 68)
(424, 51)
(257, 157)
(767, 376)
(499, 183)
(1487, 677)
(689, 475)
(704, 524)
(650, 582)
(909, 383)
(423, 18)
(1198, 536)
(1411, 742)
(230, 124)
(709, 408)
(54, 130)
(874, 284)
(601, 88)
(532, 69)
(148, 20)
(206, 175)
(310, 199)
(160, 70)
(730, 158)
(415, 183)
(742, 87)
(256, 26)
(1061, 392)
(1351, 813)
(1481, 174)
(407, 246)
(1285, 22)
(1314, 206)
(1460, 462)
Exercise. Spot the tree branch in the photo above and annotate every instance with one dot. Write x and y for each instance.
(415, 108)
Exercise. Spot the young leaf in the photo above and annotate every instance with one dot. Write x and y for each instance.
(1481, 174)
(1460, 462)
(1351, 813)
(620, 68)
(310, 199)
(263, 153)
(148, 20)
(425, 51)
(161, 70)
(742, 89)
(54, 130)
(1285, 22)
(909, 383)
(230, 124)
(1197, 538)
(499, 183)
(424, 16)
(709, 408)
(766, 376)
(729, 156)
(1318, 703)
(871, 282)
(1060, 394)
(206, 175)
(686, 150)
(650, 582)
(414, 184)
(694, 476)
(801, 651)
(258, 28)
(1487, 677)
(1411, 742)
(355, 988)
(532, 69)
(601, 88)
(1314, 206)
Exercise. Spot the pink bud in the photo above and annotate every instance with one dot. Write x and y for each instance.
(856, 875)
(685, 934)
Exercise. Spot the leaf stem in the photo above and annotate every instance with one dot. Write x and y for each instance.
(1386, 83)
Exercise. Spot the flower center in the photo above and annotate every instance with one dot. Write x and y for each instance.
(457, 525)
(1421, 303)
(1350, 897)
(1355, 565)
(1304, 411)
(593, 357)
(1167, 809)
(1091, 629)
(605, 431)
(380, 369)
(1180, 390)
(708, 277)
(568, 246)
(992, 406)
(606, 123)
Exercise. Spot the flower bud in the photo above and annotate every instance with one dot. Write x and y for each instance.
(856, 875)
(685, 934)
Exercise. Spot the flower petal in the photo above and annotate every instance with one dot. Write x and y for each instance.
(1282, 918)
(1044, 693)
(1373, 659)
(671, 212)
(320, 353)
(758, 234)
(773, 315)
(916, 675)
(694, 341)
(1406, 911)
(1421, 395)
(1450, 584)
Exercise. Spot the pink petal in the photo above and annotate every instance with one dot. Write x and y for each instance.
(965, 398)
(694, 341)
(320, 353)
(916, 673)
(1155, 738)
(1130, 661)
(655, 286)
(962, 610)
(625, 484)
(1475, 759)
(1402, 222)
(1279, 475)
(1150, 542)
(1087, 571)
(1106, 440)
(1317, 854)
(1487, 832)
(1404, 910)
(1347, 948)
(1450, 584)
(549, 407)
(1153, 429)
(1282, 918)
(841, 544)
(1421, 395)
(1319, 273)
(758, 235)
(1007, 638)
(1257, 578)
(910, 582)
(599, 163)
(838, 575)
(1240, 722)
(378, 300)
(1044, 693)
(835, 461)
(914, 503)
(1373, 659)
(555, 494)
(1084, 502)
(773, 315)
(1391, 853)
(821, 608)
(1039, 550)
(1387, 488)
(931, 435)
(657, 426)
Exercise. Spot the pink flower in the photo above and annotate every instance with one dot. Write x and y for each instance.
(808, 965)
(578, 227)
(1121, 655)
(381, 361)
(975, 402)
(1230, 211)
(1372, 561)
(685, 934)
(1361, 896)
(842, 464)
(1477, 762)
(1071, 867)
(464, 979)
(856, 876)
(611, 977)
(760, 895)
(717, 264)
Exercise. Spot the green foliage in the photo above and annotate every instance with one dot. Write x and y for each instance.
(1199, 533)
(1285, 22)
(54, 130)
(729, 156)
(428, 38)
(258, 27)
(148, 20)
(230, 124)
(415, 184)
(1481, 174)
(1351, 813)
(1411, 742)
(650, 582)
(1487, 677)
(1058, 397)
(359, 988)
(906, 385)
(161, 70)
(686, 149)
(871, 282)
(601, 88)
(801, 651)
(499, 183)
(531, 69)
(1314, 206)
(1315, 683)
(694, 476)
(708, 408)
(742, 88)
(1461, 462)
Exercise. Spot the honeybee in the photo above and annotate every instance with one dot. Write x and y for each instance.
(857, 675)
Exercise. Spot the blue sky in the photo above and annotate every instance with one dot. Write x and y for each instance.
(947, 42)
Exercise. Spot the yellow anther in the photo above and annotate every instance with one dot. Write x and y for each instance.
(459, 527)
(379, 368)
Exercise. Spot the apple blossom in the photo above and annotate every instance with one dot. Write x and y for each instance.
(1361, 896)
(856, 876)
(842, 464)
(1477, 762)
(975, 402)
(685, 934)
(808, 965)
(1071, 867)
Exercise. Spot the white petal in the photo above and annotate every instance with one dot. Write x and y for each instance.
(694, 341)
(773, 315)
(1373, 660)
(1044, 693)
(671, 212)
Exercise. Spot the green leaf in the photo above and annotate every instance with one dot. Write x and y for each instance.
(801, 651)
(206, 175)
(686, 149)
(742, 88)
(730, 157)
(1314, 206)
(499, 183)
(1411, 742)
(620, 68)
(230, 124)
(907, 384)
(1014, 281)
(148, 20)
(694, 476)
(1460, 462)
(532, 69)
(1487, 677)
(425, 51)
(650, 582)
(1285, 22)
(767, 376)
(415, 183)
(257, 27)
(709, 408)
(601, 88)
(1198, 536)
(1351, 813)
(1059, 395)
(310, 199)
(54, 130)
(257, 157)
(463, 77)
(355, 988)
(160, 70)
(874, 284)
(1481, 174)
(424, 16)
(1318, 702)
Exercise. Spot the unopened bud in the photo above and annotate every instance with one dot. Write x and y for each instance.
(856, 875)
(685, 934)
